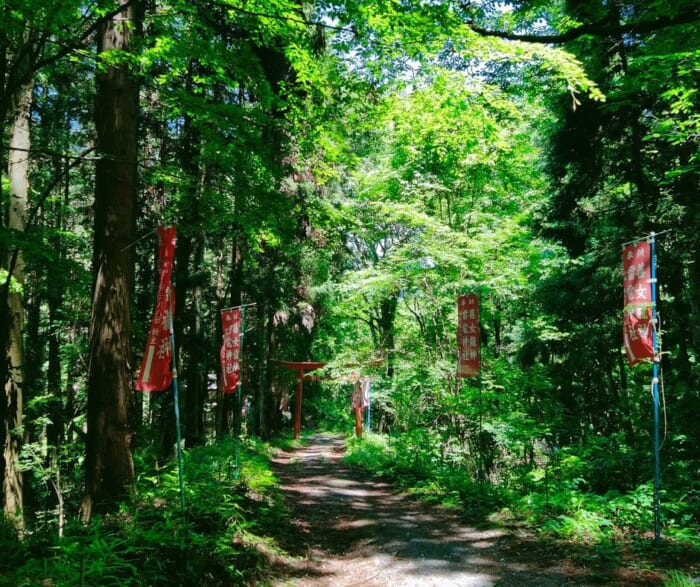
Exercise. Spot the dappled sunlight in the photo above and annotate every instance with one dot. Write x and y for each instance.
(352, 530)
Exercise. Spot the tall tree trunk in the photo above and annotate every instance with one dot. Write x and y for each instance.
(190, 254)
(228, 401)
(109, 467)
(382, 321)
(196, 365)
(694, 293)
(18, 172)
(219, 414)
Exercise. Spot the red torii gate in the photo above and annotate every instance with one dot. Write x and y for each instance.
(300, 367)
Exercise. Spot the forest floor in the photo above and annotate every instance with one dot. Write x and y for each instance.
(348, 528)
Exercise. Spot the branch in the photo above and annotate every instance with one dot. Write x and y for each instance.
(601, 28)
(298, 19)
(83, 36)
(48, 189)
(33, 213)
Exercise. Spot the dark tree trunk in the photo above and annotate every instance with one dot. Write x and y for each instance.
(196, 371)
(109, 467)
(387, 316)
(230, 401)
(190, 257)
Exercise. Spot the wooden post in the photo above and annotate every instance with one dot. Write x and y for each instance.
(358, 422)
(300, 367)
(357, 403)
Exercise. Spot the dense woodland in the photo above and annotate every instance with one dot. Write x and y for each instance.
(348, 168)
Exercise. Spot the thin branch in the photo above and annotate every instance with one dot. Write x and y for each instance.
(33, 213)
(298, 20)
(83, 37)
(49, 153)
(600, 28)
(48, 189)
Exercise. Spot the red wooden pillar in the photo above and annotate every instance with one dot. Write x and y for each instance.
(300, 367)
(357, 403)
(358, 422)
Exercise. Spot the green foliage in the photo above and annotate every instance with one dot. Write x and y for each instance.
(552, 496)
(14, 286)
(363, 187)
(679, 579)
(152, 542)
(331, 408)
(387, 457)
(373, 453)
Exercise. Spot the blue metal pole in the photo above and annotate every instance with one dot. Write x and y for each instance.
(655, 395)
(369, 406)
(176, 401)
(239, 386)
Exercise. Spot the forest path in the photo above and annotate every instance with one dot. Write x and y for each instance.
(349, 529)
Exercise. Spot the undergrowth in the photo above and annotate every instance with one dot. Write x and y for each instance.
(152, 542)
(222, 536)
(602, 528)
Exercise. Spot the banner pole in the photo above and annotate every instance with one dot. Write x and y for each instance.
(176, 401)
(239, 415)
(655, 394)
(368, 424)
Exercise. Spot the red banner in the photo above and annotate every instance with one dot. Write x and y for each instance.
(468, 336)
(637, 327)
(230, 354)
(155, 373)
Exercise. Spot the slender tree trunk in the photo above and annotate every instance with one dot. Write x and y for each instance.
(18, 172)
(109, 468)
(219, 414)
(694, 289)
(265, 399)
(228, 403)
(387, 316)
(196, 372)
(189, 258)
(55, 302)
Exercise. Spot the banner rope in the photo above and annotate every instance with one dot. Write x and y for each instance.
(139, 239)
(648, 237)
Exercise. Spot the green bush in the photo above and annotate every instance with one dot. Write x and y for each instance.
(151, 541)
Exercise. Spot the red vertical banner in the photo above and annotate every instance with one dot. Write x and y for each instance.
(468, 336)
(230, 354)
(155, 373)
(637, 327)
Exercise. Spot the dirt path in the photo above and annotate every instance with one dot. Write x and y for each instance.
(353, 530)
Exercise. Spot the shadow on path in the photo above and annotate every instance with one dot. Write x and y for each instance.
(350, 529)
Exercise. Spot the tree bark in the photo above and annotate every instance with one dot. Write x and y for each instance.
(18, 173)
(109, 472)
(196, 367)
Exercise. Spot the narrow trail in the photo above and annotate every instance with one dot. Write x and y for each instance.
(352, 530)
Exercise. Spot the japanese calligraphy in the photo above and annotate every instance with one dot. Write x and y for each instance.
(637, 327)
(468, 336)
(230, 354)
(155, 373)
